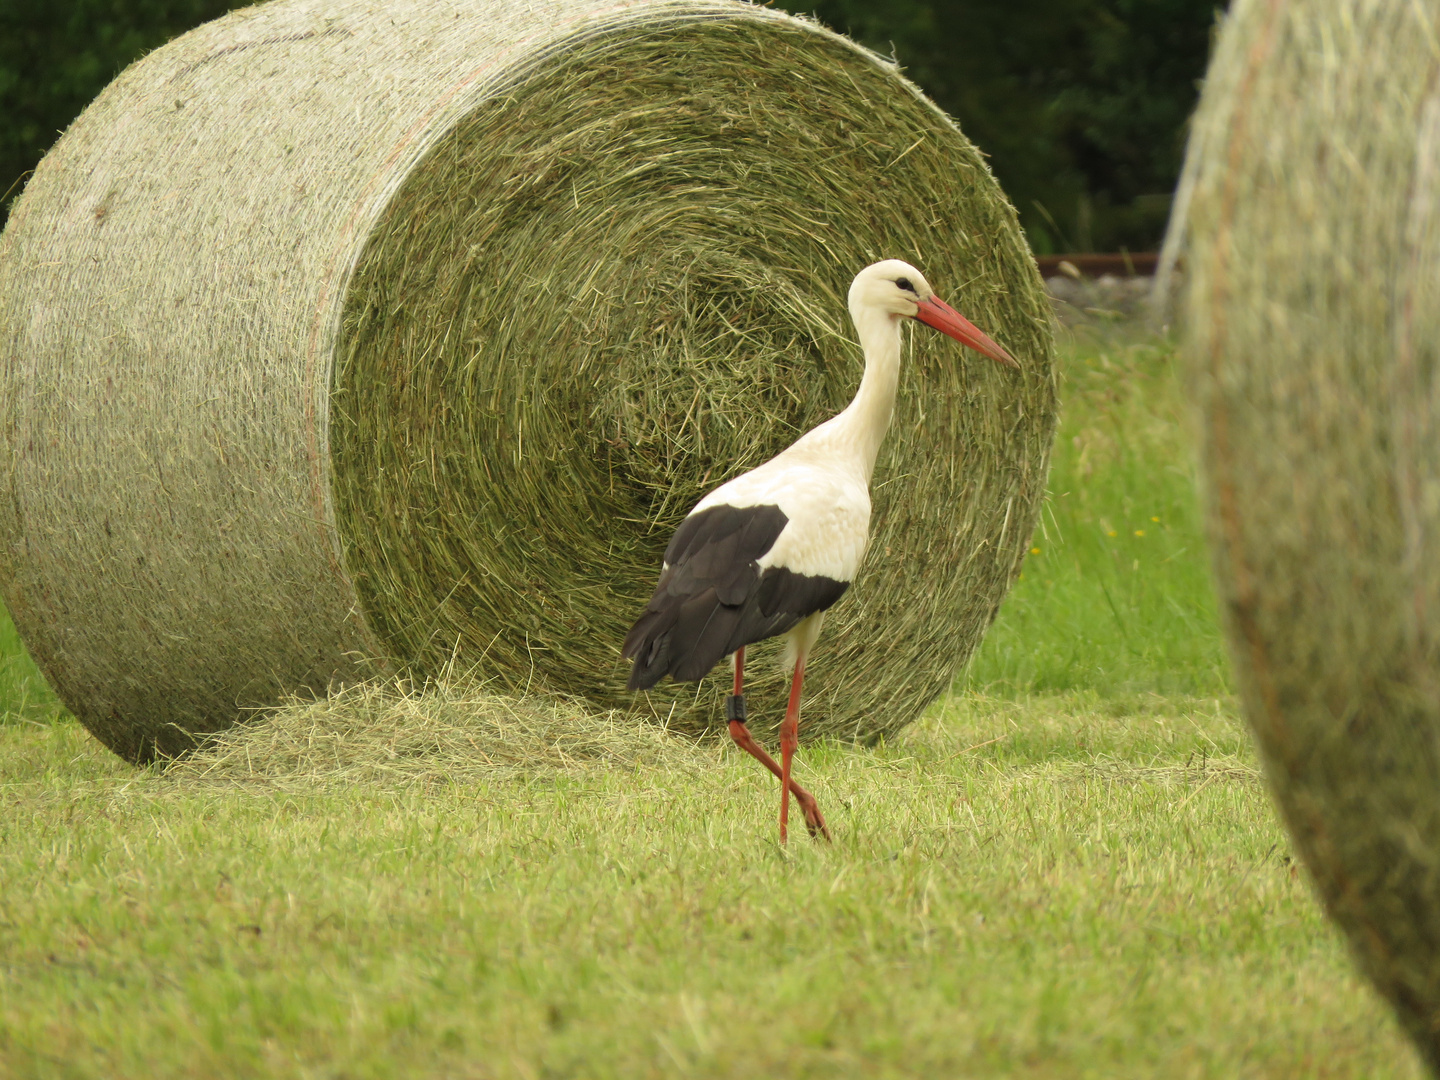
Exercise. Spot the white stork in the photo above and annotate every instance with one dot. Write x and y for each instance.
(769, 551)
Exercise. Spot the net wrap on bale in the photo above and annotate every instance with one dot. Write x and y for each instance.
(1313, 339)
(353, 336)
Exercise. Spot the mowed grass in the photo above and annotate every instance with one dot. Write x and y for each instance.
(1070, 868)
(25, 697)
(1115, 595)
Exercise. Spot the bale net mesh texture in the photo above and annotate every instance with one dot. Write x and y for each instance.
(1313, 339)
(351, 337)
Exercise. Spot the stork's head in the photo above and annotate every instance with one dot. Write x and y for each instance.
(899, 290)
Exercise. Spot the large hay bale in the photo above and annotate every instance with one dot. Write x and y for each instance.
(367, 334)
(1313, 335)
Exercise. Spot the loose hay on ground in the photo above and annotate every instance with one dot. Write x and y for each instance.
(445, 731)
(390, 333)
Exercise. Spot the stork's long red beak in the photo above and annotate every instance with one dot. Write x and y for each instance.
(935, 312)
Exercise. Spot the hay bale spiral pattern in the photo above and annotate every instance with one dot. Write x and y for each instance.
(357, 336)
(1313, 314)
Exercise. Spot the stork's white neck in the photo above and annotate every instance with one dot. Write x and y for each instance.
(861, 428)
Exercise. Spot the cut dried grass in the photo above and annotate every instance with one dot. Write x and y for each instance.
(519, 424)
(1313, 280)
(372, 334)
(441, 732)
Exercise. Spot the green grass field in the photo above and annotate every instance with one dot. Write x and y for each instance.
(1070, 868)
(1115, 596)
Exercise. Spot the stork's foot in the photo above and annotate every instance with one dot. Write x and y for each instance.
(814, 820)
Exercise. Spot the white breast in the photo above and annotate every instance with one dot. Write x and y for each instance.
(828, 507)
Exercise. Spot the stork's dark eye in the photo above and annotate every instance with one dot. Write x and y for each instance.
(904, 283)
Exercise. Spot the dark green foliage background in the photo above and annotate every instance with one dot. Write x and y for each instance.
(1081, 104)
(56, 55)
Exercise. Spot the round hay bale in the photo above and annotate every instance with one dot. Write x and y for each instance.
(366, 335)
(1313, 339)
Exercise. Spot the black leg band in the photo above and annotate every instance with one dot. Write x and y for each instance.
(735, 708)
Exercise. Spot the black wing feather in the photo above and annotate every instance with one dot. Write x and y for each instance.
(712, 597)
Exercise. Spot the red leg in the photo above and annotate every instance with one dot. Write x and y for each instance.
(814, 821)
(789, 740)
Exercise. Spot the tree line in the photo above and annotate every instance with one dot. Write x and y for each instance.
(1081, 105)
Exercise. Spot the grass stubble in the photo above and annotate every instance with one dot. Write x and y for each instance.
(1069, 868)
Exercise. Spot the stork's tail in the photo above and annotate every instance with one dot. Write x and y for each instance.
(648, 645)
